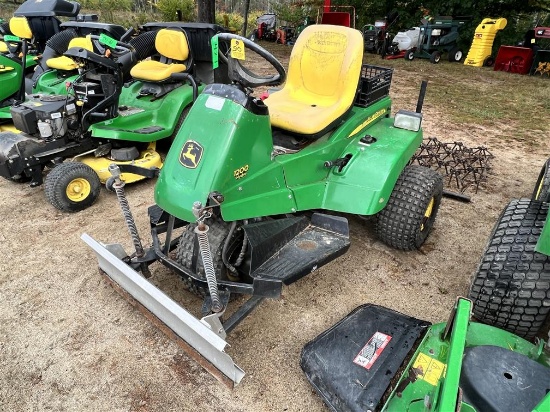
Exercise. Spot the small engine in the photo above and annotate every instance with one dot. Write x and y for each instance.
(49, 116)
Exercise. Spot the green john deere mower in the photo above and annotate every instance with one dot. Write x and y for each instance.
(376, 359)
(511, 287)
(41, 41)
(252, 193)
(104, 117)
(23, 40)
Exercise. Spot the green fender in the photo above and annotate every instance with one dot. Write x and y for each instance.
(50, 83)
(543, 244)
(146, 120)
(364, 186)
(10, 79)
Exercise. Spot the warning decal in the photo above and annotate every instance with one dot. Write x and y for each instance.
(372, 350)
(429, 369)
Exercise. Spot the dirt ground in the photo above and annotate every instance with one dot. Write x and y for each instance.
(69, 342)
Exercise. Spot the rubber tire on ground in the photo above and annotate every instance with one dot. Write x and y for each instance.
(455, 55)
(435, 57)
(402, 224)
(489, 61)
(58, 180)
(511, 287)
(409, 55)
(542, 187)
(217, 233)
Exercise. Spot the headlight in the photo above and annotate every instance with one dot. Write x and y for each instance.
(408, 120)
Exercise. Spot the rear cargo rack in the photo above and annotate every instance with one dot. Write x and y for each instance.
(374, 85)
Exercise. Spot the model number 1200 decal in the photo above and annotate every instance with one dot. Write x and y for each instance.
(240, 172)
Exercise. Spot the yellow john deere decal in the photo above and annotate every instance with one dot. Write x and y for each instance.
(240, 172)
(431, 369)
(369, 120)
(191, 154)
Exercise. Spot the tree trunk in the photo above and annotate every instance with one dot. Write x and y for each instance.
(207, 11)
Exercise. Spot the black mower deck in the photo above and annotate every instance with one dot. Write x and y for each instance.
(366, 349)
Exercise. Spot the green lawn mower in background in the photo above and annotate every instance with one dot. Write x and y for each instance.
(23, 40)
(102, 118)
(252, 191)
(376, 359)
(46, 71)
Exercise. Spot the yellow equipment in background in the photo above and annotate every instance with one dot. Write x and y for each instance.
(482, 45)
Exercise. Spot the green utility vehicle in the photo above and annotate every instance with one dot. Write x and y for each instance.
(252, 192)
(436, 38)
(376, 359)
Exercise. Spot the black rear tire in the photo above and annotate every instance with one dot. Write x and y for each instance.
(542, 187)
(511, 287)
(435, 57)
(410, 213)
(72, 186)
(489, 61)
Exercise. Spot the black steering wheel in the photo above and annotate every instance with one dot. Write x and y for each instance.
(239, 74)
(119, 50)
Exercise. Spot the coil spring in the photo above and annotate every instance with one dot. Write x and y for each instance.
(130, 223)
(206, 255)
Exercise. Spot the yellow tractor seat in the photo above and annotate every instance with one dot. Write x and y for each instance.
(19, 26)
(66, 63)
(173, 47)
(323, 75)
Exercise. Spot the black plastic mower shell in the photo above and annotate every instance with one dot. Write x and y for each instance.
(352, 364)
(84, 28)
(44, 8)
(495, 379)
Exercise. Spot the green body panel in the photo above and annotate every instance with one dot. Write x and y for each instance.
(543, 244)
(233, 138)
(5, 113)
(364, 185)
(162, 113)
(10, 81)
(50, 82)
(442, 392)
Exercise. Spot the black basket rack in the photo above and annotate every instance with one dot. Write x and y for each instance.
(374, 85)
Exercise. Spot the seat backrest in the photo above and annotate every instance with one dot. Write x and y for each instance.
(83, 42)
(20, 27)
(172, 44)
(326, 62)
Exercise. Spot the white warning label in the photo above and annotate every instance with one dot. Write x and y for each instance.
(372, 350)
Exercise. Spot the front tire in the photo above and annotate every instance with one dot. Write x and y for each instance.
(409, 55)
(72, 186)
(188, 253)
(511, 287)
(410, 213)
(435, 57)
(455, 55)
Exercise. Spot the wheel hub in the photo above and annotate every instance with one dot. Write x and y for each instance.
(78, 189)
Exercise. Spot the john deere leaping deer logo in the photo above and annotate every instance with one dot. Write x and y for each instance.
(191, 154)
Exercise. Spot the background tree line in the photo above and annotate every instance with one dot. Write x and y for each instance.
(521, 14)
